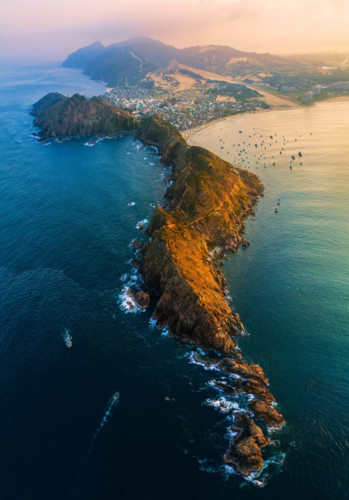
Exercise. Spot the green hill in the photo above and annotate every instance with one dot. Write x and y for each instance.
(58, 117)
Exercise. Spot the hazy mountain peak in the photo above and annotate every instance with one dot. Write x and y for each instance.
(79, 58)
(131, 60)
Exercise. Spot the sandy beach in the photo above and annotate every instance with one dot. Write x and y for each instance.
(275, 102)
(341, 98)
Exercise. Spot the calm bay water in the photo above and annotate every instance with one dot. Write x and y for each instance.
(64, 262)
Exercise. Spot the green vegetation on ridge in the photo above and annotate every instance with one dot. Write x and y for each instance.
(59, 116)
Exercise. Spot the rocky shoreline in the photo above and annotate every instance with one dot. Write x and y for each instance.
(201, 220)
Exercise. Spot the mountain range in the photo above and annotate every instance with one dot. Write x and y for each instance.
(132, 60)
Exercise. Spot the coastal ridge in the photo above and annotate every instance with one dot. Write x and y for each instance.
(201, 220)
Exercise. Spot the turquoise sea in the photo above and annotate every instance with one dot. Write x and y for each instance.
(66, 223)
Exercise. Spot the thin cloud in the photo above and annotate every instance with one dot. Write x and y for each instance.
(48, 27)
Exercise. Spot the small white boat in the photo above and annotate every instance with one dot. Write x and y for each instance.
(67, 338)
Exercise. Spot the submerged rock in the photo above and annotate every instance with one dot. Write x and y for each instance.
(136, 245)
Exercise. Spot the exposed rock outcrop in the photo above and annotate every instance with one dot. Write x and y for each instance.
(244, 369)
(245, 450)
(142, 299)
(265, 411)
(138, 298)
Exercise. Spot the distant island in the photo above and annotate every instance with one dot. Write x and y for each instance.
(201, 220)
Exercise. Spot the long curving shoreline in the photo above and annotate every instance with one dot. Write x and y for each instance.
(191, 133)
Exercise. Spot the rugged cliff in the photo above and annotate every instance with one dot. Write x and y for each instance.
(205, 209)
(202, 219)
(59, 116)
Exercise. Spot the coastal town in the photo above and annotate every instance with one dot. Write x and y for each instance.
(188, 100)
(305, 92)
(186, 106)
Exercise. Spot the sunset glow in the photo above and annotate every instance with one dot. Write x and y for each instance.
(47, 28)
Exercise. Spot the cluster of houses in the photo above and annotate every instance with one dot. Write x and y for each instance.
(312, 93)
(185, 111)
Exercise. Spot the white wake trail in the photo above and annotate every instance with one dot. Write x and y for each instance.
(111, 404)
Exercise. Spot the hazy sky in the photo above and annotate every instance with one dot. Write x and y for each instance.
(53, 28)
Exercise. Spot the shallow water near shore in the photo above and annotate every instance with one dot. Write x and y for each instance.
(68, 214)
(291, 287)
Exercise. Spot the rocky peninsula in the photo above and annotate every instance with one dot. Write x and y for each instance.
(201, 220)
(203, 217)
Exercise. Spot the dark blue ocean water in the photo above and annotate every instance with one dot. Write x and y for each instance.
(64, 261)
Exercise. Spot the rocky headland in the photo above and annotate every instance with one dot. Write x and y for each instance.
(59, 117)
(201, 220)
